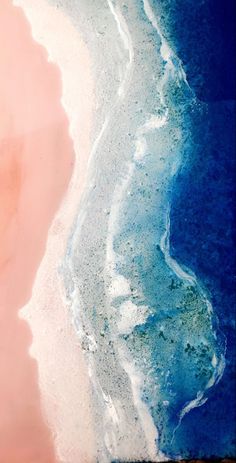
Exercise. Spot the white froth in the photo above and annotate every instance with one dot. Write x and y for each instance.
(127, 42)
(146, 420)
(119, 287)
(131, 315)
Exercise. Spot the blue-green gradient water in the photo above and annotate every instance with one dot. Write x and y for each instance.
(150, 266)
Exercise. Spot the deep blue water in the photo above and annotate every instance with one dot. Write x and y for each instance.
(203, 200)
(202, 237)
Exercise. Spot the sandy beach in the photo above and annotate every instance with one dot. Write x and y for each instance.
(37, 162)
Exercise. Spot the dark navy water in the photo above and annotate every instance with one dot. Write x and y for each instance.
(203, 201)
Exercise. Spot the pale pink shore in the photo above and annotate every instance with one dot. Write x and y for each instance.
(36, 164)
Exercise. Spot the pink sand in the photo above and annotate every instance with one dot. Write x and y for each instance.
(36, 155)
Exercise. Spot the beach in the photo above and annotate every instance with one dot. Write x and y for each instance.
(39, 174)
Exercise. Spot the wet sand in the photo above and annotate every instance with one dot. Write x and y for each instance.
(36, 163)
